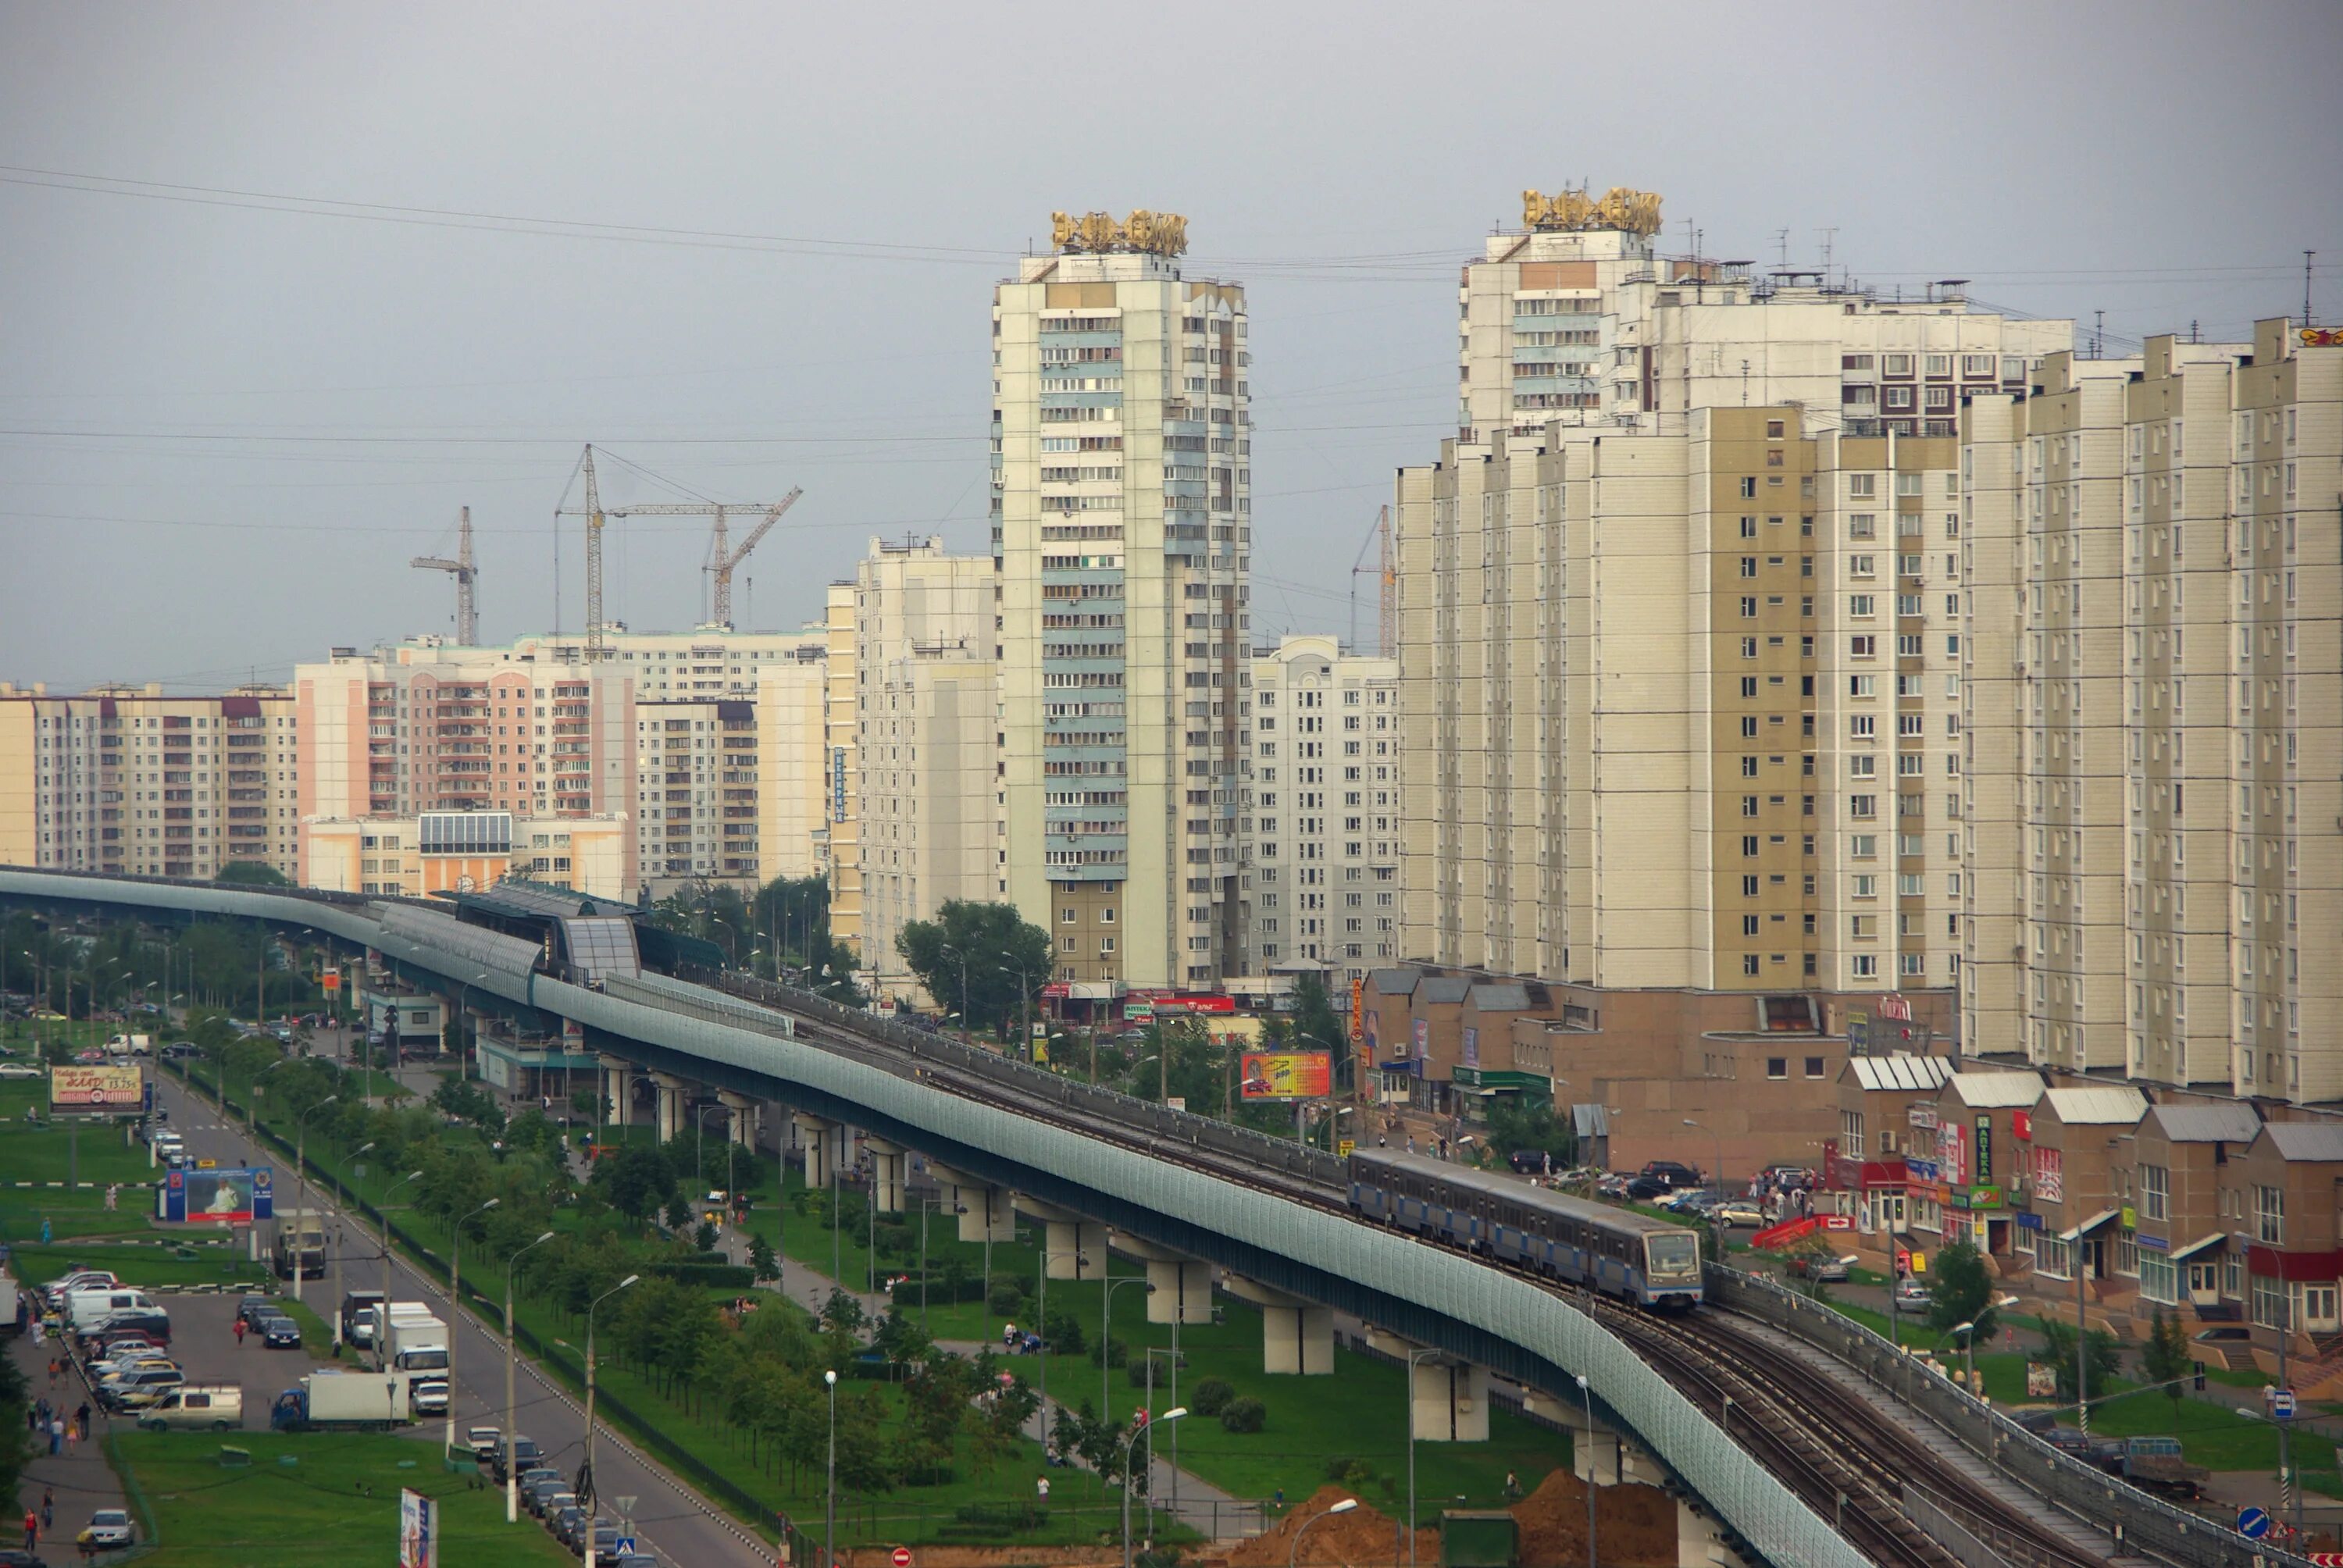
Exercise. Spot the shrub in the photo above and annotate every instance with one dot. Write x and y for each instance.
(1113, 1353)
(1244, 1415)
(1064, 1334)
(1006, 1298)
(1211, 1396)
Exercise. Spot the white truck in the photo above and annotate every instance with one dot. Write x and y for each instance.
(130, 1045)
(347, 1400)
(418, 1342)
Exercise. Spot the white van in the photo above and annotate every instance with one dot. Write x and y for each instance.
(84, 1308)
(192, 1408)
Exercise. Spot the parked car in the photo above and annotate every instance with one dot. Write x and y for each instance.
(1611, 1186)
(524, 1449)
(1912, 1296)
(2106, 1453)
(537, 1479)
(279, 1332)
(107, 1528)
(563, 1520)
(136, 1390)
(484, 1441)
(19, 1070)
(182, 1050)
(605, 1532)
(544, 1496)
(1680, 1199)
(1528, 1161)
(1739, 1211)
(57, 1291)
(1817, 1266)
(253, 1306)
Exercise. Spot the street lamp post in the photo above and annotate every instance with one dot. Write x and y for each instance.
(382, 1313)
(1106, 1329)
(1719, 1139)
(455, 1307)
(1415, 1359)
(301, 1172)
(966, 1038)
(586, 1489)
(1139, 1430)
(512, 1469)
(1025, 994)
(1586, 1392)
(830, 1478)
(1294, 1552)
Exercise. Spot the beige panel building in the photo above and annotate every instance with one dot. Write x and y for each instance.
(925, 749)
(1322, 861)
(124, 779)
(841, 684)
(2162, 641)
(413, 857)
(793, 796)
(1122, 520)
(696, 761)
(1681, 621)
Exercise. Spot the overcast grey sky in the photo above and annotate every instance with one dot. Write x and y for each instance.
(224, 429)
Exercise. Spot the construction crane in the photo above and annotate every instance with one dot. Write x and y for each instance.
(721, 560)
(467, 615)
(1387, 626)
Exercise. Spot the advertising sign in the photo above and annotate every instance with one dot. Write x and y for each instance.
(1373, 1026)
(1422, 1038)
(96, 1089)
(837, 784)
(418, 1530)
(330, 981)
(1858, 1034)
(1471, 1057)
(2049, 1175)
(2021, 1124)
(1984, 1148)
(1896, 1006)
(1358, 1001)
(1287, 1075)
(237, 1196)
(2041, 1380)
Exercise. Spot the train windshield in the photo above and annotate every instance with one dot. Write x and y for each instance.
(1674, 1254)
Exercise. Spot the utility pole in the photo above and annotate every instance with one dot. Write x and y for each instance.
(467, 619)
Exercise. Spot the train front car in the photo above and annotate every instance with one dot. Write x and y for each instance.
(1671, 1270)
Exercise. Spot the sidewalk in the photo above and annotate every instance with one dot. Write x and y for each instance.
(80, 1477)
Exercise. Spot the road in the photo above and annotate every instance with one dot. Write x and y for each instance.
(670, 1519)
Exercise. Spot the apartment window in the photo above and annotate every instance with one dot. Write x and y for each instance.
(1777, 1067)
(1748, 887)
(1863, 647)
(2269, 1215)
(2155, 1192)
(1813, 1067)
(1866, 885)
(1749, 486)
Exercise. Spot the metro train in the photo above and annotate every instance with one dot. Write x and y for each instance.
(1619, 1252)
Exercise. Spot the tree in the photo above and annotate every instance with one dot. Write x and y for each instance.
(991, 944)
(2165, 1358)
(761, 1261)
(1515, 1125)
(1960, 1291)
(636, 1181)
(1317, 1027)
(2059, 1345)
(251, 874)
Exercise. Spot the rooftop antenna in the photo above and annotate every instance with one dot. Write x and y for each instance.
(2307, 257)
(2098, 334)
(1830, 237)
(1781, 243)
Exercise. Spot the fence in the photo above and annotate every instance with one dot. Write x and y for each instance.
(2123, 1511)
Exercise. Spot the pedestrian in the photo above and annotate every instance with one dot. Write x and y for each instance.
(82, 1415)
(31, 1530)
(1042, 1490)
(53, 1371)
(238, 1331)
(48, 1510)
(56, 1436)
(113, 1196)
(1411, 1144)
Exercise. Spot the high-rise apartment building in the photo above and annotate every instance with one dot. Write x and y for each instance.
(793, 763)
(1122, 521)
(124, 779)
(699, 779)
(926, 697)
(2154, 681)
(1321, 859)
(425, 729)
(843, 843)
(1681, 623)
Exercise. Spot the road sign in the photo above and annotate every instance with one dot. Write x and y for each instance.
(1344, 1146)
(2253, 1523)
(901, 1557)
(623, 1546)
(2281, 1403)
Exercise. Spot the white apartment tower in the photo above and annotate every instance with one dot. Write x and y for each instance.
(924, 740)
(1321, 859)
(2155, 680)
(1122, 522)
(1681, 620)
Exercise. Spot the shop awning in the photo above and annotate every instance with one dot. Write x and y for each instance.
(2201, 1244)
(2089, 1225)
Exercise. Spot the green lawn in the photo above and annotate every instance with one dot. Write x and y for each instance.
(142, 1265)
(93, 1151)
(336, 1503)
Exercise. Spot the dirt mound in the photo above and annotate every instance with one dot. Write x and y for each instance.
(1362, 1538)
(1635, 1526)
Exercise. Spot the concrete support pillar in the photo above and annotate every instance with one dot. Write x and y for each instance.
(1180, 1288)
(986, 1212)
(1451, 1400)
(819, 1136)
(1602, 1450)
(1296, 1336)
(890, 1165)
(739, 1118)
(618, 1086)
(1073, 1248)
(672, 1093)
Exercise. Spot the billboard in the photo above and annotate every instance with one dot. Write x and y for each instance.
(1358, 1006)
(1287, 1075)
(97, 1088)
(237, 1195)
(1471, 1056)
(418, 1529)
